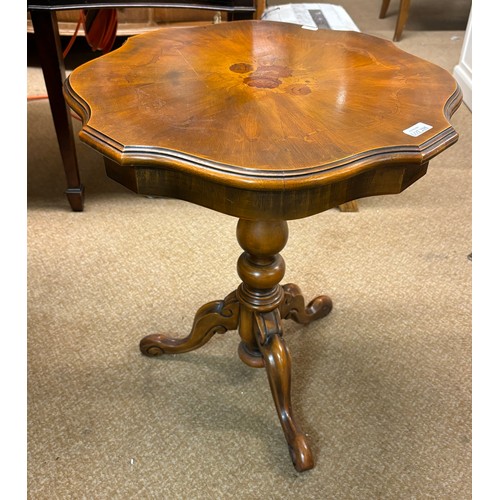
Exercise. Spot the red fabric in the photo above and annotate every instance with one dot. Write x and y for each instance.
(100, 28)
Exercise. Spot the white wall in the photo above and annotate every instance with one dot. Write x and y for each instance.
(463, 70)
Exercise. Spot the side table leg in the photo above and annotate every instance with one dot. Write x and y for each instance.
(49, 50)
(215, 317)
(293, 306)
(262, 299)
(277, 361)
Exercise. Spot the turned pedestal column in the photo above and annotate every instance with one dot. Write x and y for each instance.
(256, 309)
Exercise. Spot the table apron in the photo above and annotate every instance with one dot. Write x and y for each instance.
(287, 204)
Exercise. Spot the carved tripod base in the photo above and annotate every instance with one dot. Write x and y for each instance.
(256, 309)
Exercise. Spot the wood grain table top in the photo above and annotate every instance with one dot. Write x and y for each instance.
(264, 106)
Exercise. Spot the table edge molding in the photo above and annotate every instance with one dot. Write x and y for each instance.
(156, 157)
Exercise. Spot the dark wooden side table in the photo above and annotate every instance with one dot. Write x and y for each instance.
(266, 122)
(46, 31)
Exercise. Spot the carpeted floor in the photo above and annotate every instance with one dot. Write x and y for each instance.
(382, 386)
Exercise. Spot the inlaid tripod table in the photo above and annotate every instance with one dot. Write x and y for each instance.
(267, 122)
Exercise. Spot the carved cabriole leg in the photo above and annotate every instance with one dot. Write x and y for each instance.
(256, 309)
(214, 317)
(261, 268)
(277, 361)
(293, 306)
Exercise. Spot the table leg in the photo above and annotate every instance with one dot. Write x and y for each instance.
(263, 302)
(277, 361)
(293, 306)
(214, 317)
(49, 49)
(256, 309)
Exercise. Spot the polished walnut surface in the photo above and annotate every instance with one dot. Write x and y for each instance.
(263, 100)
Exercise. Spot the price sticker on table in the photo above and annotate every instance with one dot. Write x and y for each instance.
(417, 129)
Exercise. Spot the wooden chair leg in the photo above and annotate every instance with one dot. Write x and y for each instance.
(404, 10)
(383, 8)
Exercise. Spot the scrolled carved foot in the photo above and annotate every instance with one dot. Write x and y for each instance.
(302, 457)
(215, 317)
(293, 306)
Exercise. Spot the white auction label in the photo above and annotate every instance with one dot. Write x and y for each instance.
(417, 129)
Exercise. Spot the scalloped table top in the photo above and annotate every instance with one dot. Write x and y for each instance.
(263, 106)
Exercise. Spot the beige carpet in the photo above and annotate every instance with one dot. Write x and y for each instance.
(382, 386)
